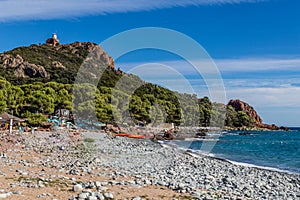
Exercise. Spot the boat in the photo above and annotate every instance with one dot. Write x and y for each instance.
(130, 135)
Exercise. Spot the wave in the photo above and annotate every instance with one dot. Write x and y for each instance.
(200, 139)
(260, 167)
(198, 153)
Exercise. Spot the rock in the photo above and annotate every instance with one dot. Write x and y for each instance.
(83, 195)
(58, 65)
(98, 184)
(161, 183)
(77, 187)
(268, 126)
(196, 195)
(17, 192)
(284, 128)
(3, 196)
(86, 191)
(24, 173)
(3, 155)
(100, 196)
(208, 177)
(239, 105)
(102, 189)
(23, 68)
(108, 195)
(130, 182)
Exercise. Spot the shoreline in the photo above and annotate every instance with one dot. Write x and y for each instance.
(128, 168)
(239, 163)
(259, 167)
(217, 170)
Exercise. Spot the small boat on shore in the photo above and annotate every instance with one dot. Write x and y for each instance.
(130, 135)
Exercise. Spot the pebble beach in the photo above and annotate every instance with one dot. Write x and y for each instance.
(93, 165)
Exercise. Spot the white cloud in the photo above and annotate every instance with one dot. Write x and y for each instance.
(271, 90)
(267, 97)
(232, 65)
(262, 83)
(258, 64)
(55, 9)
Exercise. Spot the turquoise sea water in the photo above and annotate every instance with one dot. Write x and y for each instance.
(271, 149)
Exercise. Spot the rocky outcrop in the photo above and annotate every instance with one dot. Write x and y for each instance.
(274, 127)
(24, 62)
(10, 61)
(97, 52)
(23, 69)
(57, 64)
(75, 47)
(239, 105)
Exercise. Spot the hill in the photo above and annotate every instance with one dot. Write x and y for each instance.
(40, 78)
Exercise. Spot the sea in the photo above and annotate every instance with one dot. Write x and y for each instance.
(272, 150)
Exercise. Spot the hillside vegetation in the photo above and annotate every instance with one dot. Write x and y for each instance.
(40, 79)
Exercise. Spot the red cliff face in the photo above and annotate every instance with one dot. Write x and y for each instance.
(239, 105)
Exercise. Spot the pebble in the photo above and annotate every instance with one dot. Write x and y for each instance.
(108, 195)
(77, 187)
(83, 195)
(4, 195)
(148, 163)
(92, 198)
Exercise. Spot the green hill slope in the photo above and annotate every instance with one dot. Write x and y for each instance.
(40, 78)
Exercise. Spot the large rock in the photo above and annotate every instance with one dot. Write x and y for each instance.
(31, 70)
(77, 187)
(23, 69)
(239, 105)
(96, 50)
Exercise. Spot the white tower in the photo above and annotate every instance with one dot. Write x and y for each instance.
(54, 36)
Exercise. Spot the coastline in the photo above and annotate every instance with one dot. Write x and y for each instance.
(220, 175)
(128, 168)
(222, 152)
(244, 164)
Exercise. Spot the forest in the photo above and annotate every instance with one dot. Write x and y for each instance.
(34, 98)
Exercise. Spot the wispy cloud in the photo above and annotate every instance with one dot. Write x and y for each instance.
(55, 9)
(259, 81)
(275, 105)
(251, 65)
(258, 64)
(268, 97)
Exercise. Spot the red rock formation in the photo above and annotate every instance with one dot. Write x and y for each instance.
(239, 105)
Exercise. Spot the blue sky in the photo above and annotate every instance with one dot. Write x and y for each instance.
(255, 44)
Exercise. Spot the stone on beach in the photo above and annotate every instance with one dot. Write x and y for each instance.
(77, 187)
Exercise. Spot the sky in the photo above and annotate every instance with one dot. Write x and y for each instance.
(254, 43)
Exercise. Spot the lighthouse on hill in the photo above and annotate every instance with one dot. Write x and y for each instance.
(53, 41)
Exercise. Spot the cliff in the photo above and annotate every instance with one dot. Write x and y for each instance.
(239, 105)
(244, 107)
